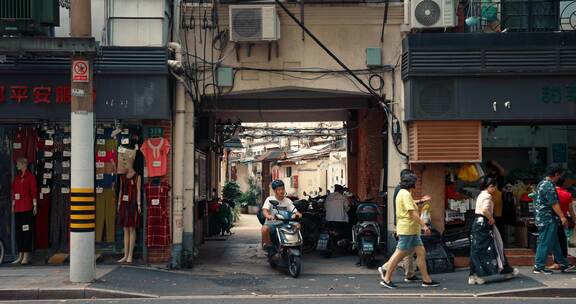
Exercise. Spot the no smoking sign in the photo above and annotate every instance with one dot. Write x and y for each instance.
(80, 71)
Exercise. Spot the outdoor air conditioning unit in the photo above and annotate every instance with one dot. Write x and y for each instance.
(252, 23)
(433, 13)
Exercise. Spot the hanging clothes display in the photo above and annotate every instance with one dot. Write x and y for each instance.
(44, 169)
(60, 205)
(155, 152)
(128, 211)
(24, 144)
(157, 214)
(105, 214)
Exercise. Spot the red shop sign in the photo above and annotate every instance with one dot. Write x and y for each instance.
(37, 94)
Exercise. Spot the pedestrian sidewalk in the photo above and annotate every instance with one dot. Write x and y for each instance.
(25, 283)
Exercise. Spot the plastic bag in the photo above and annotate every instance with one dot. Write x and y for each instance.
(468, 173)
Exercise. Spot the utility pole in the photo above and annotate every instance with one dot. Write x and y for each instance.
(82, 205)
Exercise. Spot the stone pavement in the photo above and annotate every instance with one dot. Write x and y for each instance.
(236, 267)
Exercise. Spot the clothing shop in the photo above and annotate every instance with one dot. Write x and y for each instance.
(133, 161)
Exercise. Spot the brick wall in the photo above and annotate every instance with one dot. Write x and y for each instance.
(160, 255)
(369, 153)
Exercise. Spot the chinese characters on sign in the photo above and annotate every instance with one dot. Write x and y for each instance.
(557, 93)
(37, 94)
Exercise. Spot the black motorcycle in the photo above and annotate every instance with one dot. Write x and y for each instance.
(334, 236)
(313, 212)
(366, 233)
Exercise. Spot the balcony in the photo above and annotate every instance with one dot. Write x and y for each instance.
(519, 15)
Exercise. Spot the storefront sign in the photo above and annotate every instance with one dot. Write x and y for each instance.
(48, 96)
(22, 93)
(552, 94)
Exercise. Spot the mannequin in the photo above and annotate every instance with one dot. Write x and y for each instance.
(129, 210)
(24, 207)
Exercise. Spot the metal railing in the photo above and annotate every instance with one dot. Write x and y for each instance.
(520, 15)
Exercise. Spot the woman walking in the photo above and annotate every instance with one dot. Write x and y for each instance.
(408, 227)
(487, 260)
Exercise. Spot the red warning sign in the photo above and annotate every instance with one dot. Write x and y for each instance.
(80, 71)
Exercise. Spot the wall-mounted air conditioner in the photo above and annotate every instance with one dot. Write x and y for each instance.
(433, 13)
(252, 23)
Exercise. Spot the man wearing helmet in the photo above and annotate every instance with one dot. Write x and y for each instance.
(269, 211)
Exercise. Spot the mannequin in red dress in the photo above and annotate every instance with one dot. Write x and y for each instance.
(129, 210)
(24, 207)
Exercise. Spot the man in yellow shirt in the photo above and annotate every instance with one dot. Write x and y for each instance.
(408, 226)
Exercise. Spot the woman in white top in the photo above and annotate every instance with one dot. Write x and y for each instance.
(487, 260)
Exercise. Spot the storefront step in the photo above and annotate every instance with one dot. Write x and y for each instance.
(514, 260)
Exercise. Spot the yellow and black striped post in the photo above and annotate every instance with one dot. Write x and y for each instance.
(82, 210)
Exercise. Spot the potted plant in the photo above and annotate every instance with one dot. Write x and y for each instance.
(250, 200)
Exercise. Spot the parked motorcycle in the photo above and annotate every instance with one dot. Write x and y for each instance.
(287, 243)
(366, 232)
(312, 216)
(334, 236)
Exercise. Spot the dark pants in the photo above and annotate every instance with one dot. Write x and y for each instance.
(548, 242)
(24, 230)
(563, 242)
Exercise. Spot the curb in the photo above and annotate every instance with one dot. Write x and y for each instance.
(68, 294)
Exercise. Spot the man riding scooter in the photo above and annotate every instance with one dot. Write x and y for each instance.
(269, 212)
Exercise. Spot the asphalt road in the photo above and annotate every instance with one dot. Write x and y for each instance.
(330, 300)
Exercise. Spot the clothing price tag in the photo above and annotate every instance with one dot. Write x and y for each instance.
(125, 131)
(25, 228)
(100, 142)
(65, 190)
(67, 140)
(41, 196)
(17, 196)
(49, 142)
(65, 176)
(101, 153)
(48, 166)
(17, 146)
(99, 165)
(125, 197)
(65, 164)
(156, 164)
(67, 153)
(45, 190)
(100, 176)
(50, 131)
(125, 141)
(121, 150)
(48, 154)
(47, 175)
(99, 190)
(155, 202)
(100, 131)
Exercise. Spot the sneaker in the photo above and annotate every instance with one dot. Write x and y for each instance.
(542, 271)
(430, 284)
(568, 268)
(412, 279)
(474, 279)
(382, 272)
(388, 285)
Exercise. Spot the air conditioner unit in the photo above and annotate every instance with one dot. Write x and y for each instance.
(252, 23)
(433, 13)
